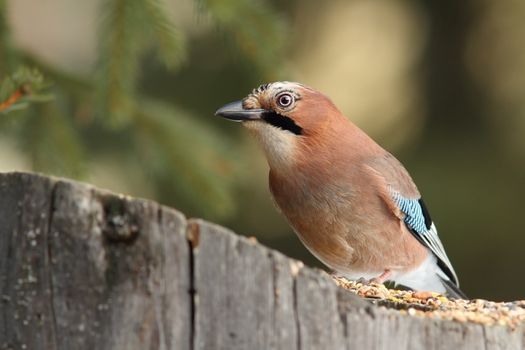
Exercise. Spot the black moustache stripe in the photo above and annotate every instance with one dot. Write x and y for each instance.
(282, 122)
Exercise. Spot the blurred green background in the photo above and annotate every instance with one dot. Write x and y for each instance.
(441, 84)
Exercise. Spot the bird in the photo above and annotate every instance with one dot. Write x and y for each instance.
(351, 203)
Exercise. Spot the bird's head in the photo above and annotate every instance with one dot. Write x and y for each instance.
(284, 117)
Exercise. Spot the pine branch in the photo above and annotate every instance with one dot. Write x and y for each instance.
(125, 34)
(21, 88)
(13, 98)
(170, 41)
(186, 159)
(50, 139)
(257, 30)
(120, 38)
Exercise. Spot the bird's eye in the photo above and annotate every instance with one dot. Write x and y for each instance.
(285, 100)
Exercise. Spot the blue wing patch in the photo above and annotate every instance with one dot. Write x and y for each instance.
(416, 215)
(420, 224)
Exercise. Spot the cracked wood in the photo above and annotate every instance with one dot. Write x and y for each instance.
(82, 268)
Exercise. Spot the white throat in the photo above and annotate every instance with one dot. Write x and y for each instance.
(278, 145)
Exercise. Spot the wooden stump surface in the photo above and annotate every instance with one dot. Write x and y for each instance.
(83, 268)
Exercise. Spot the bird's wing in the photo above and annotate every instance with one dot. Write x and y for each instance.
(401, 195)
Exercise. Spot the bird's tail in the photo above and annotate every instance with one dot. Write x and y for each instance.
(453, 290)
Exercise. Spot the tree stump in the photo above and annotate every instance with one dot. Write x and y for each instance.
(83, 268)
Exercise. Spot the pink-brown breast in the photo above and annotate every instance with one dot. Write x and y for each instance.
(334, 204)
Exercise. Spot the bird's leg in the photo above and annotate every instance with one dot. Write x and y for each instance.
(381, 278)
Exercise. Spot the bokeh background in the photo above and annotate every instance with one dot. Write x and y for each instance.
(441, 84)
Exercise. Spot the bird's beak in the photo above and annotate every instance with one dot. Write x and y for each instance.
(234, 111)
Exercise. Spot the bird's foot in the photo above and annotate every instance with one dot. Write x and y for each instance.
(376, 280)
(382, 277)
(363, 280)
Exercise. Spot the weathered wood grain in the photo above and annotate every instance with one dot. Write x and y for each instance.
(83, 268)
(235, 293)
(318, 319)
(25, 286)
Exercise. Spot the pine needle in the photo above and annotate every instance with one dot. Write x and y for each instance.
(188, 159)
(169, 40)
(120, 41)
(257, 30)
(22, 87)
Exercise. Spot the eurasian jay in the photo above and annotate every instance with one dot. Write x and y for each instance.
(352, 204)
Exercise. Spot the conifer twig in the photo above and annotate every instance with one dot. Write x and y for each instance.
(18, 89)
(14, 97)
